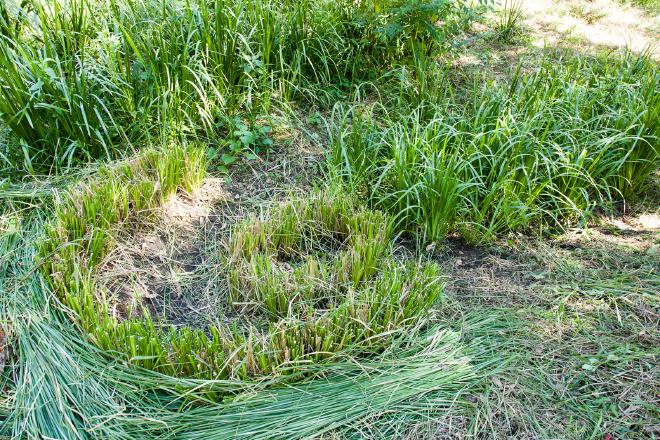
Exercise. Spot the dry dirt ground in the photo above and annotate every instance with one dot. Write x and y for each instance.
(580, 26)
(592, 24)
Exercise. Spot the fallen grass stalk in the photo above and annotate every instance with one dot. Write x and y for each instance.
(416, 375)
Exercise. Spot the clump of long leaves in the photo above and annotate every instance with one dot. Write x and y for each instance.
(541, 151)
(86, 79)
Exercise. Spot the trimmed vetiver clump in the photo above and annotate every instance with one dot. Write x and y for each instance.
(80, 236)
(313, 278)
(322, 273)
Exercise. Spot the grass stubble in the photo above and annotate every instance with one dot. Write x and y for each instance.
(117, 401)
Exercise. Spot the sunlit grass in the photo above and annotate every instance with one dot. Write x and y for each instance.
(338, 324)
(540, 152)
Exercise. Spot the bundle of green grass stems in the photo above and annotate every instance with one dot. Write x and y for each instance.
(313, 278)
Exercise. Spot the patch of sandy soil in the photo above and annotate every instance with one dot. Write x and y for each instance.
(519, 272)
(5, 350)
(587, 24)
(155, 264)
(634, 233)
(580, 26)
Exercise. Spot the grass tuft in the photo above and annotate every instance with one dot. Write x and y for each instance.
(538, 153)
(320, 270)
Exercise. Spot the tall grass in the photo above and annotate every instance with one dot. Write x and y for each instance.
(508, 24)
(54, 99)
(89, 75)
(85, 79)
(539, 152)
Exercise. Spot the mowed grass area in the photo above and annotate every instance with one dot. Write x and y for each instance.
(285, 219)
(588, 345)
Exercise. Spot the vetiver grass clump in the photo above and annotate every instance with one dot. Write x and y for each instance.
(82, 80)
(313, 278)
(539, 152)
(321, 270)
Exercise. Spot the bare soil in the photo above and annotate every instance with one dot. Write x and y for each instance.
(4, 350)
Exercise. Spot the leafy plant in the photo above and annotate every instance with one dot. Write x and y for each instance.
(389, 31)
(508, 24)
(245, 140)
(254, 138)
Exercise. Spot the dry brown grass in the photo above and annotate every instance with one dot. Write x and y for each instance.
(591, 25)
(585, 27)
